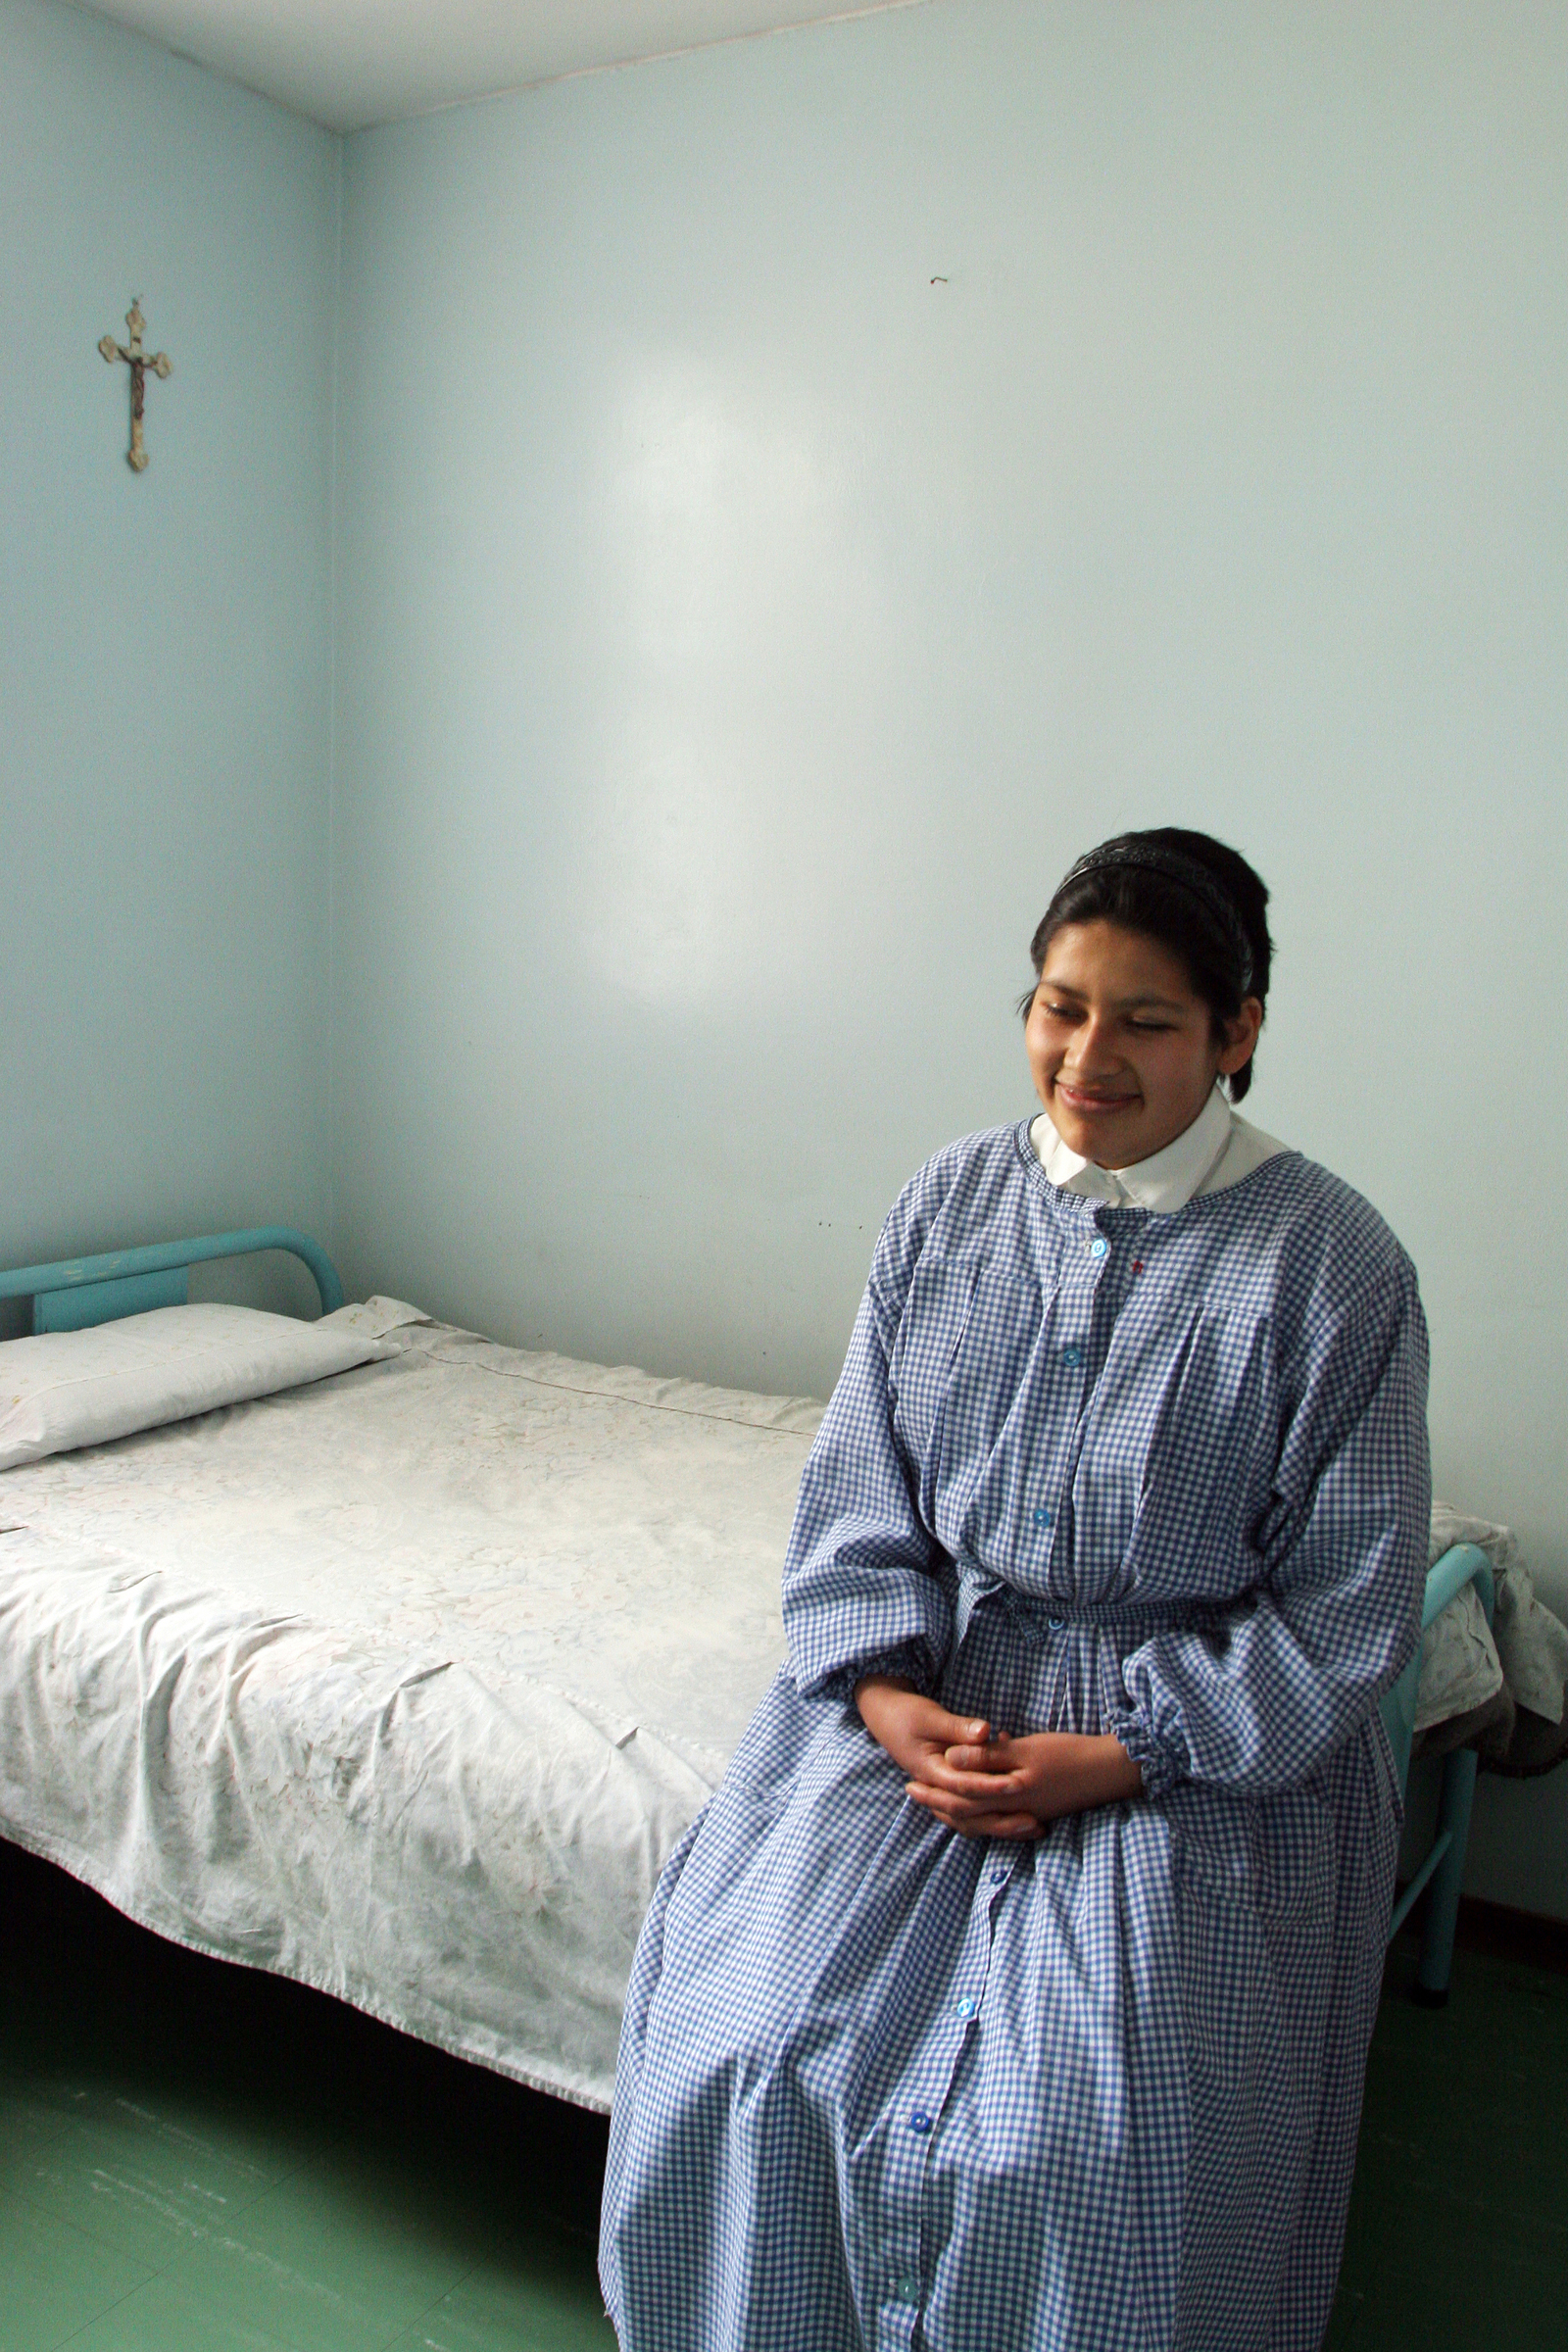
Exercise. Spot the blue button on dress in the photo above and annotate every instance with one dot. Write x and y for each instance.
(1143, 2141)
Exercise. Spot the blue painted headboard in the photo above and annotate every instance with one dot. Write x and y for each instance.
(76, 1291)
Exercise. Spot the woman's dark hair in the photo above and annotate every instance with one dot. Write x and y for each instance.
(1196, 897)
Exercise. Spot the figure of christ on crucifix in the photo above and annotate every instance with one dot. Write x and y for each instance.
(138, 362)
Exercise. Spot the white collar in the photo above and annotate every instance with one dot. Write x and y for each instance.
(1165, 1180)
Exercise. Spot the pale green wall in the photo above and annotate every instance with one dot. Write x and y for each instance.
(165, 663)
(739, 633)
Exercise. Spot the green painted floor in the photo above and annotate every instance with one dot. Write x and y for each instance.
(1458, 2232)
(195, 2158)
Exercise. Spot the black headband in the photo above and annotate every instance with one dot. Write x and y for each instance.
(1152, 858)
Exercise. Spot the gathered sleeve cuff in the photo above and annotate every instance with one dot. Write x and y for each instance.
(910, 1662)
(1160, 1766)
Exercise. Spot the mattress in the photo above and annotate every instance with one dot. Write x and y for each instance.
(404, 1684)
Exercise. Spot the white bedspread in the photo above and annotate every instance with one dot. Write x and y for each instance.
(403, 1685)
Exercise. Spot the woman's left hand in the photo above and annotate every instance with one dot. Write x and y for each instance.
(1012, 1787)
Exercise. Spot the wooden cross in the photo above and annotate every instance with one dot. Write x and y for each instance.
(138, 362)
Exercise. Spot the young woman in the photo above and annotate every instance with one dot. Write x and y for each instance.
(1013, 1992)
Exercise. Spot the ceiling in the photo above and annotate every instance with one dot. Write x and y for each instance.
(348, 63)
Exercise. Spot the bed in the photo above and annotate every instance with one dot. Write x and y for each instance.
(403, 1683)
(404, 1680)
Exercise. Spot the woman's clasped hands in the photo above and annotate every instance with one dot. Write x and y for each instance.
(979, 1781)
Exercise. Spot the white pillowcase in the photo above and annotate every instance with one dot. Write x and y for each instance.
(65, 1389)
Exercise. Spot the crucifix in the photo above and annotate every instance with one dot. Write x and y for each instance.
(138, 362)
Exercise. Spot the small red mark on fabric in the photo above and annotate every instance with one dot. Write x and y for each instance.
(1138, 1265)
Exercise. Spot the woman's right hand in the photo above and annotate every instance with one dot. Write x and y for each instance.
(917, 1733)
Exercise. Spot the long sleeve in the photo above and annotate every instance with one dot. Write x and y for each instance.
(1256, 1701)
(864, 1589)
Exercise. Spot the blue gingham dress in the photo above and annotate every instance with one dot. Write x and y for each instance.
(885, 2086)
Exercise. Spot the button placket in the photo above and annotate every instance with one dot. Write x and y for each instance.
(911, 2124)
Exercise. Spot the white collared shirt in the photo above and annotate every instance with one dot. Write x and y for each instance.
(1215, 1151)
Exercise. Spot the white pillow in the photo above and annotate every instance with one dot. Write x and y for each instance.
(65, 1389)
(375, 1317)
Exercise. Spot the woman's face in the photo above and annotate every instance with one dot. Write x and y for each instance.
(1123, 1053)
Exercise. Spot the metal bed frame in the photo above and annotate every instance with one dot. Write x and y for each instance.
(1443, 1867)
(78, 1292)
